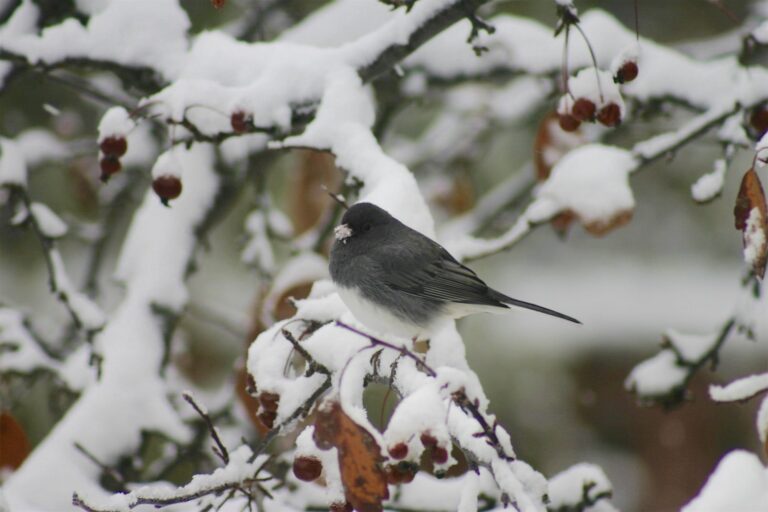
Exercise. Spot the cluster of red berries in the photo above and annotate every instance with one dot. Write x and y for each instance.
(404, 471)
(584, 110)
(166, 186)
(268, 403)
(112, 148)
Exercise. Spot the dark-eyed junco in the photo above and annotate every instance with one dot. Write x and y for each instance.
(395, 280)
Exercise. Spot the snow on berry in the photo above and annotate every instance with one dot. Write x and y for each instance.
(115, 123)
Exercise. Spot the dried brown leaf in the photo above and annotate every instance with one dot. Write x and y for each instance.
(360, 460)
(751, 218)
(14, 446)
(600, 228)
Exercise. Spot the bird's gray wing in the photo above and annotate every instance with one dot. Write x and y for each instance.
(435, 275)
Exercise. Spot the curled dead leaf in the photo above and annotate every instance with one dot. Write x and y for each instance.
(561, 223)
(459, 197)
(751, 218)
(308, 201)
(360, 459)
(600, 228)
(14, 446)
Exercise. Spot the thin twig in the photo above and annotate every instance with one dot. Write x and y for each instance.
(112, 472)
(220, 450)
(312, 364)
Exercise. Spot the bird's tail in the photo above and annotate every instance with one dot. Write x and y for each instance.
(527, 305)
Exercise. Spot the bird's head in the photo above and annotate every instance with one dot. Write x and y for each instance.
(361, 221)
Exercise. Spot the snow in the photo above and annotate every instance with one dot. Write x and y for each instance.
(131, 394)
(169, 163)
(421, 411)
(49, 224)
(739, 482)
(317, 65)
(754, 238)
(593, 182)
(661, 144)
(238, 469)
(691, 348)
(88, 313)
(761, 148)
(149, 33)
(740, 389)
(26, 354)
(13, 167)
(258, 250)
(23, 20)
(760, 33)
(656, 376)
(115, 122)
(762, 421)
(38, 146)
(710, 185)
(566, 488)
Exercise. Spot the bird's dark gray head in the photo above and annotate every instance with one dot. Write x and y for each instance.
(361, 222)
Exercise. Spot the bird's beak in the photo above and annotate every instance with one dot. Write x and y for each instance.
(342, 232)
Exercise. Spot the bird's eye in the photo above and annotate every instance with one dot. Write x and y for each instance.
(367, 226)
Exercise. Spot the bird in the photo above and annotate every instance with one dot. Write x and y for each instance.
(398, 281)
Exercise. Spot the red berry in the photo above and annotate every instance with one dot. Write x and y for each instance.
(409, 474)
(568, 123)
(239, 122)
(113, 146)
(398, 451)
(583, 109)
(110, 165)
(759, 120)
(428, 440)
(307, 468)
(627, 72)
(218, 4)
(440, 455)
(394, 476)
(609, 115)
(267, 418)
(269, 400)
(167, 187)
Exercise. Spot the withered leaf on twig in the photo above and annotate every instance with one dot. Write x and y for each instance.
(751, 218)
(360, 460)
(14, 446)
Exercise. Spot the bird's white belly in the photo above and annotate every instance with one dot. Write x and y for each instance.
(376, 317)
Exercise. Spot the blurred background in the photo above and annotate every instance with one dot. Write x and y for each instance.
(557, 388)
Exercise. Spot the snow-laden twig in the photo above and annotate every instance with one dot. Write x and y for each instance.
(664, 378)
(84, 312)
